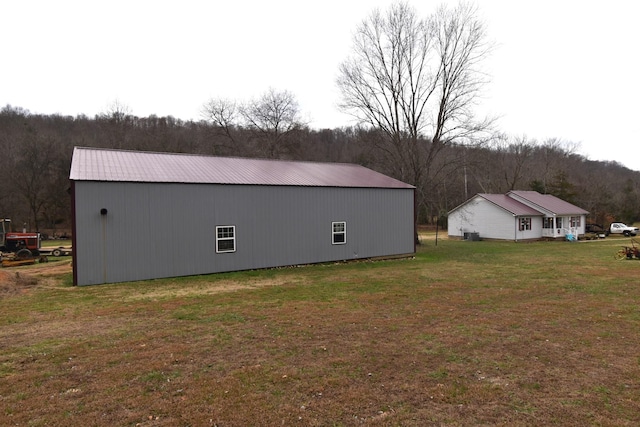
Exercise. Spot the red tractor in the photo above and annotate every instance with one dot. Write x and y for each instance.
(23, 245)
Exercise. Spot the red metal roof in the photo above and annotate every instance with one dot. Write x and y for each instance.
(511, 205)
(530, 203)
(549, 203)
(95, 164)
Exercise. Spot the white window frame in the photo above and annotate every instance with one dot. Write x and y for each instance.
(575, 221)
(342, 232)
(225, 238)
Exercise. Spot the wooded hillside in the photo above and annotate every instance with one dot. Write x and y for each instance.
(36, 156)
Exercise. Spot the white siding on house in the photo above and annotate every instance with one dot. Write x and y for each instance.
(534, 233)
(483, 217)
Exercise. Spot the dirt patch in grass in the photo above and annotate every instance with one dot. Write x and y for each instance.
(479, 333)
(12, 283)
(208, 288)
(15, 281)
(49, 269)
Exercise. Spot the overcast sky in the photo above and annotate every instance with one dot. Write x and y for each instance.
(565, 69)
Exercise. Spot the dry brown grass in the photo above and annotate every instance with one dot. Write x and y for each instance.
(467, 333)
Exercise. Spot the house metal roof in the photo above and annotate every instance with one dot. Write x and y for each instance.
(549, 203)
(529, 203)
(95, 164)
(510, 205)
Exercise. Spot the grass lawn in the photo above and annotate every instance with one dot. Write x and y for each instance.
(466, 333)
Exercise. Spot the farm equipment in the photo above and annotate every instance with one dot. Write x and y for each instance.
(629, 252)
(56, 251)
(17, 248)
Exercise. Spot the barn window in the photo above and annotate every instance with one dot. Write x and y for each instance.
(339, 233)
(226, 238)
(525, 224)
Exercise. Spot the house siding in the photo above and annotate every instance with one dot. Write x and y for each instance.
(534, 233)
(154, 230)
(483, 217)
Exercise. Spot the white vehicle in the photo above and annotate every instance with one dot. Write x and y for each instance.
(621, 228)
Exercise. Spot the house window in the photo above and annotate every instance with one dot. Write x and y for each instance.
(575, 221)
(525, 224)
(225, 239)
(339, 233)
(547, 222)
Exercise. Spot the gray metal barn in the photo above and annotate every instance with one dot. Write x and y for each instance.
(144, 215)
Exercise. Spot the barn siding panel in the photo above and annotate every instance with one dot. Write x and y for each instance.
(157, 230)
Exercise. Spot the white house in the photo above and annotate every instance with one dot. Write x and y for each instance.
(517, 215)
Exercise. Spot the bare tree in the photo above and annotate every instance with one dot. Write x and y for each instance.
(417, 81)
(118, 121)
(514, 157)
(461, 46)
(388, 82)
(117, 111)
(274, 120)
(33, 174)
(549, 158)
(223, 114)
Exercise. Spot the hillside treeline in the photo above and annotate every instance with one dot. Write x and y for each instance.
(36, 156)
